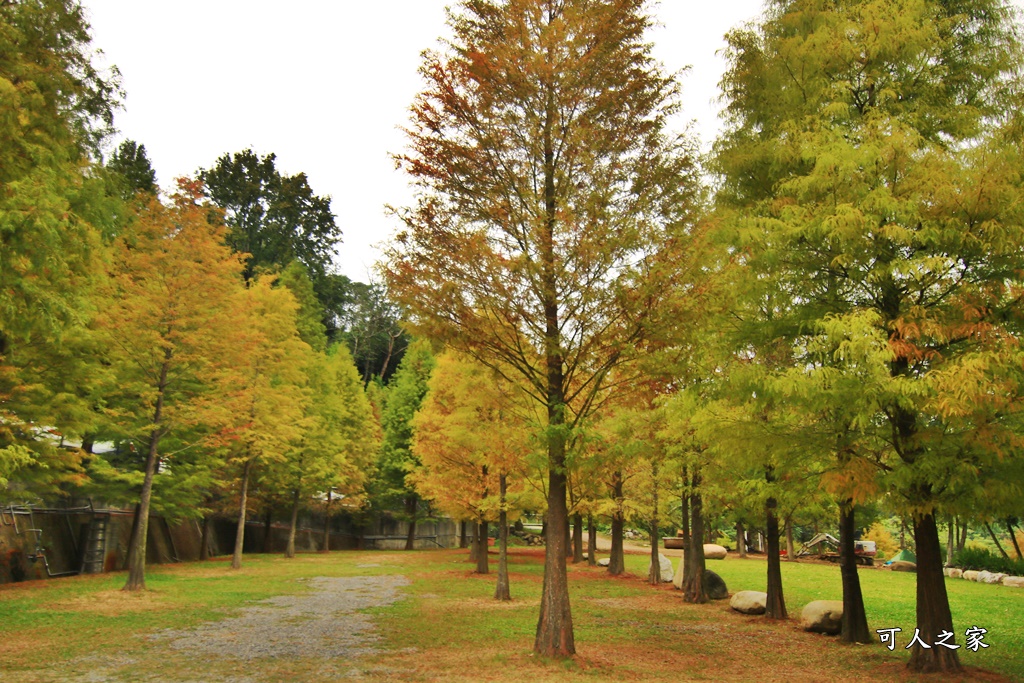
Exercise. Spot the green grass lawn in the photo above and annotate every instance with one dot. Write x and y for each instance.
(449, 628)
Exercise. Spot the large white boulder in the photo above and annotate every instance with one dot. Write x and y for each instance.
(971, 575)
(1014, 581)
(713, 551)
(749, 602)
(666, 568)
(823, 616)
(990, 577)
(903, 566)
(953, 572)
(604, 561)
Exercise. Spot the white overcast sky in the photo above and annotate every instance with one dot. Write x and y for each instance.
(324, 84)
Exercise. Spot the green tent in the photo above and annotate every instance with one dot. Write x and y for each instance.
(903, 556)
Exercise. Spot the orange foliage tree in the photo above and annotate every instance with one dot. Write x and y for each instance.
(169, 323)
(550, 196)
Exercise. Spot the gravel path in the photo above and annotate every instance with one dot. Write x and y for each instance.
(323, 623)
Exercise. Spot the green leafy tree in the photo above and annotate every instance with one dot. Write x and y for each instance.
(274, 219)
(55, 110)
(133, 171)
(402, 399)
(309, 317)
(872, 165)
(336, 451)
(550, 198)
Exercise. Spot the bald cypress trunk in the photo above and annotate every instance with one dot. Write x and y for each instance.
(482, 566)
(617, 560)
(327, 524)
(137, 546)
(577, 538)
(933, 613)
(501, 591)
(289, 550)
(591, 541)
(411, 504)
(693, 557)
(236, 557)
(204, 541)
(855, 620)
(775, 607)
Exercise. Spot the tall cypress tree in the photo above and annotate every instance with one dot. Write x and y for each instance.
(552, 216)
(871, 165)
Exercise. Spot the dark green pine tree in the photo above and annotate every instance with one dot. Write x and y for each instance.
(133, 172)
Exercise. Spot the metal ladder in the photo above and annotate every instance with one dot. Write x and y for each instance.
(96, 545)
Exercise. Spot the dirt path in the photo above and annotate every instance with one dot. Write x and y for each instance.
(324, 624)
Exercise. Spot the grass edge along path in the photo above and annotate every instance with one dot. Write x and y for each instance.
(449, 628)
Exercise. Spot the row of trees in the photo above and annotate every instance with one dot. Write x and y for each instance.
(841, 313)
(190, 332)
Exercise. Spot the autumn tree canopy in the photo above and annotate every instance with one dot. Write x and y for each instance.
(550, 196)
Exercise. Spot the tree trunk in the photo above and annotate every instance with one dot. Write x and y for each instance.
(591, 541)
(137, 545)
(775, 607)
(236, 557)
(410, 510)
(577, 538)
(501, 591)
(962, 541)
(950, 541)
(855, 620)
(568, 539)
(482, 553)
(933, 614)
(617, 559)
(289, 551)
(996, 541)
(741, 540)
(654, 573)
(554, 625)
(686, 512)
(474, 547)
(204, 542)
(693, 556)
(462, 535)
(131, 536)
(790, 550)
(327, 524)
(140, 529)
(1013, 538)
(268, 530)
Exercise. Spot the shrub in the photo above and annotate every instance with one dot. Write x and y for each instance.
(884, 542)
(972, 557)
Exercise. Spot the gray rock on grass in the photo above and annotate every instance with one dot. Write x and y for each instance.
(666, 568)
(749, 602)
(823, 616)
